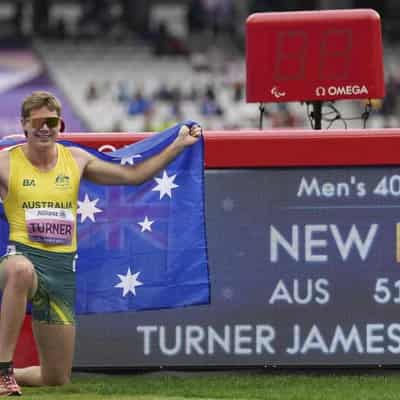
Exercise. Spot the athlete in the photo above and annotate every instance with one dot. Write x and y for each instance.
(39, 182)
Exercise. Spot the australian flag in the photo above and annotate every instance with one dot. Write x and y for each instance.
(141, 247)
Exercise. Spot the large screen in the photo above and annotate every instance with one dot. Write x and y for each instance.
(305, 270)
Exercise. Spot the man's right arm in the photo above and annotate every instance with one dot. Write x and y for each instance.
(4, 173)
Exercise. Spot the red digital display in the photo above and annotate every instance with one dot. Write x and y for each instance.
(314, 55)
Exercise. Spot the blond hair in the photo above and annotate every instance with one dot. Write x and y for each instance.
(39, 99)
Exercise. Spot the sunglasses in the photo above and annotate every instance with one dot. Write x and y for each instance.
(51, 122)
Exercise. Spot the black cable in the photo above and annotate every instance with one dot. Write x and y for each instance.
(261, 107)
(338, 116)
(367, 112)
(332, 120)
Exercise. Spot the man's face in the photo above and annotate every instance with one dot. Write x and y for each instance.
(42, 126)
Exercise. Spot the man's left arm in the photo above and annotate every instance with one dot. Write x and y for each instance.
(107, 173)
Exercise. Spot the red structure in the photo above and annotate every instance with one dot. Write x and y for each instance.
(314, 56)
(26, 354)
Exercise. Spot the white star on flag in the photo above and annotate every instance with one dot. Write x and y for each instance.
(146, 224)
(87, 208)
(128, 282)
(165, 185)
(130, 160)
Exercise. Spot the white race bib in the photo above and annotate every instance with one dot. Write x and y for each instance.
(50, 225)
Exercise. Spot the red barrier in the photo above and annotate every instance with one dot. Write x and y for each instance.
(26, 354)
(276, 148)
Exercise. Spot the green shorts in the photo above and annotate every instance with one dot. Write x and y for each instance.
(54, 299)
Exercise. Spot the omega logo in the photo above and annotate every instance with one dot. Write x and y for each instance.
(349, 90)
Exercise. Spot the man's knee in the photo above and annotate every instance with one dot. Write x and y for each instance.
(18, 272)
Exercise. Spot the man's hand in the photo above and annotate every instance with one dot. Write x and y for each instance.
(188, 136)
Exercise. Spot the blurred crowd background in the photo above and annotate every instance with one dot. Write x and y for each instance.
(142, 65)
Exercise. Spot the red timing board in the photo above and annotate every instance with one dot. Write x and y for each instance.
(314, 55)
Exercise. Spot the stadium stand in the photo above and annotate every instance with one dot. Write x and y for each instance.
(186, 61)
(104, 80)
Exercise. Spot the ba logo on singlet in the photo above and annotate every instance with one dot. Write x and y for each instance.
(28, 182)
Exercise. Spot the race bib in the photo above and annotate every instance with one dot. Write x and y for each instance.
(50, 225)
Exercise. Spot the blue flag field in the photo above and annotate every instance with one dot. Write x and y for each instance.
(141, 247)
